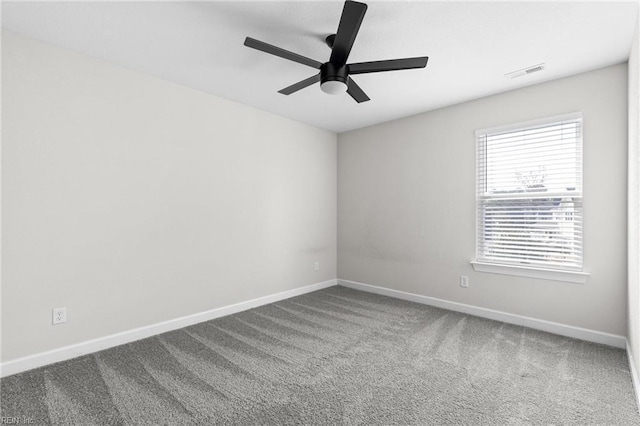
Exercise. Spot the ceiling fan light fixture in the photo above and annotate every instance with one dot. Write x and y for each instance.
(333, 78)
(333, 87)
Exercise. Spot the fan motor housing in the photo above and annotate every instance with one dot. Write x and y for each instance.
(331, 72)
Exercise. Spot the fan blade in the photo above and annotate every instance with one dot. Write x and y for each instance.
(300, 85)
(356, 92)
(390, 65)
(352, 16)
(269, 48)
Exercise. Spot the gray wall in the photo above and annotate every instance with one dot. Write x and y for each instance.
(130, 200)
(634, 199)
(406, 203)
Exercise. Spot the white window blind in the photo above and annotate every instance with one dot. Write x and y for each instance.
(529, 194)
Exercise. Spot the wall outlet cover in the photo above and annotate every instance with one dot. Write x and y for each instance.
(464, 281)
(59, 315)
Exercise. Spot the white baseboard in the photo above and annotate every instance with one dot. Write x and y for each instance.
(538, 324)
(634, 374)
(68, 352)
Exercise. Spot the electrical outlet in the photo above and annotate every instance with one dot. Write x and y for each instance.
(59, 315)
(464, 281)
(316, 266)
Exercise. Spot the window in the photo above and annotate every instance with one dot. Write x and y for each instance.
(529, 195)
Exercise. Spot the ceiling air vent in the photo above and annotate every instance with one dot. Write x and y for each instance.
(525, 71)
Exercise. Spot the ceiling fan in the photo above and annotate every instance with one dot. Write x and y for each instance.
(335, 75)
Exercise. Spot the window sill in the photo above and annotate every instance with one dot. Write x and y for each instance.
(523, 271)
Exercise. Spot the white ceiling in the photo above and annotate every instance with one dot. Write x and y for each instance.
(471, 45)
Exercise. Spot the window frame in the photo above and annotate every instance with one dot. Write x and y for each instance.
(482, 264)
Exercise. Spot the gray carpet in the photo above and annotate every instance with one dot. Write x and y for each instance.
(334, 357)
